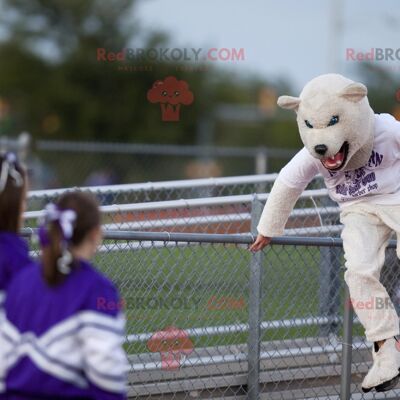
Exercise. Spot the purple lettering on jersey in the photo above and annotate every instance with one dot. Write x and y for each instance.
(375, 160)
(358, 182)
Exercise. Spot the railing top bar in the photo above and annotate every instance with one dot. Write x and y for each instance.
(180, 237)
(244, 239)
(187, 203)
(181, 150)
(162, 185)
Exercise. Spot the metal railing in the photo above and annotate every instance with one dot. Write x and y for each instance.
(173, 190)
(210, 205)
(225, 214)
(166, 190)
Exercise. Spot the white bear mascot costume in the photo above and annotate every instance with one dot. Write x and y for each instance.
(358, 154)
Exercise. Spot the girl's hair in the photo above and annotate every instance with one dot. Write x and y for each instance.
(13, 187)
(87, 217)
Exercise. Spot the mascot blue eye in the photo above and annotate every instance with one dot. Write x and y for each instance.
(334, 120)
(308, 123)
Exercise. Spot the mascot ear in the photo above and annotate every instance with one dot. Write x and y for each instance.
(289, 102)
(354, 92)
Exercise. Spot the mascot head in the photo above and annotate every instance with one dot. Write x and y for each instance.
(335, 120)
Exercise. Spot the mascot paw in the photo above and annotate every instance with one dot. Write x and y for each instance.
(385, 371)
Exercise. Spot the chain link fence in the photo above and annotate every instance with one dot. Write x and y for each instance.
(213, 205)
(208, 319)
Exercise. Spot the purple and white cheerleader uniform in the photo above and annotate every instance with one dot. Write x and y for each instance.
(14, 257)
(65, 341)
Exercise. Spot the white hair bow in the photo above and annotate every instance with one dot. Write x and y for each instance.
(65, 218)
(8, 169)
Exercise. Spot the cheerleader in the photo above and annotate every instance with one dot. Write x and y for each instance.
(56, 341)
(14, 253)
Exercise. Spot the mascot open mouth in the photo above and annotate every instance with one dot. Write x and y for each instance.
(338, 160)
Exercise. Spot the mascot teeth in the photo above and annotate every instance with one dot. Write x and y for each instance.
(337, 160)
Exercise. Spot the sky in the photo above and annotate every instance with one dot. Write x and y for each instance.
(291, 39)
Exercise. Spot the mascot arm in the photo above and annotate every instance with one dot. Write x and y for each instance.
(291, 182)
(276, 212)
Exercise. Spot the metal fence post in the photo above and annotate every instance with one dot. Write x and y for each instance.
(329, 282)
(389, 277)
(345, 379)
(329, 289)
(255, 300)
(261, 161)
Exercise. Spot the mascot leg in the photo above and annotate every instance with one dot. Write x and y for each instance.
(365, 238)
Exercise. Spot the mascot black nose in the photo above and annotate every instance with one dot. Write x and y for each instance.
(320, 149)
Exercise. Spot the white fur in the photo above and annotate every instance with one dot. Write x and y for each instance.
(323, 97)
(327, 96)
(367, 229)
(272, 224)
(385, 366)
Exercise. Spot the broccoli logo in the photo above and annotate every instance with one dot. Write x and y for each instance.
(170, 93)
(173, 344)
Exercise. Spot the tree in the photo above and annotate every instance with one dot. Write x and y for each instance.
(58, 89)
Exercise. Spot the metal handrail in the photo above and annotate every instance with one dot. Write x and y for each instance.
(162, 185)
(216, 238)
(188, 203)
